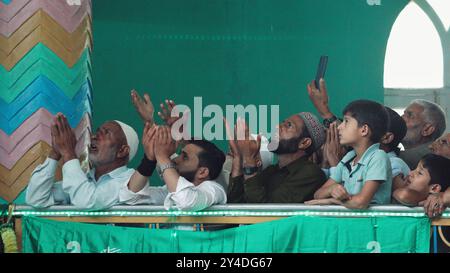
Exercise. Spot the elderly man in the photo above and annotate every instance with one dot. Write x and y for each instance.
(112, 147)
(441, 146)
(294, 179)
(425, 122)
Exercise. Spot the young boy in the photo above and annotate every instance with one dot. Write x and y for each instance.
(430, 177)
(364, 175)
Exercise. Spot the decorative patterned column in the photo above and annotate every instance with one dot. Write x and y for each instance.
(45, 68)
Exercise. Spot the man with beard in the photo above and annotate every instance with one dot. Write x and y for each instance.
(189, 178)
(294, 179)
(441, 146)
(112, 147)
(425, 121)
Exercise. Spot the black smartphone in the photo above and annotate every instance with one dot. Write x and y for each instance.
(321, 70)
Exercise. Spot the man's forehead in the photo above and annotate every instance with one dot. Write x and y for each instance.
(415, 108)
(349, 115)
(111, 125)
(191, 149)
(298, 121)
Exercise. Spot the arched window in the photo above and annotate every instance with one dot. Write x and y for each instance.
(417, 61)
(414, 57)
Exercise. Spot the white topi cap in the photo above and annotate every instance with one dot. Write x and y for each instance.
(132, 138)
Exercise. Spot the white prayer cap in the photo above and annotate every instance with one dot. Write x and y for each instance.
(132, 138)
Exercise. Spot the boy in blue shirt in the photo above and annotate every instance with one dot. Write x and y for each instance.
(364, 175)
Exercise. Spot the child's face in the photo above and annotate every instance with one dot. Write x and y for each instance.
(348, 131)
(419, 179)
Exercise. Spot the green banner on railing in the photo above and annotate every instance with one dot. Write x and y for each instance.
(299, 234)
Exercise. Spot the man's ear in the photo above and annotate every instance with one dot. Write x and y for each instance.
(123, 152)
(305, 143)
(387, 138)
(203, 173)
(435, 188)
(427, 130)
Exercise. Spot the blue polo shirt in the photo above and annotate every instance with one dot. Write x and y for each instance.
(398, 165)
(373, 165)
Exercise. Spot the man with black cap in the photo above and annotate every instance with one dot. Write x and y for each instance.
(112, 147)
(294, 179)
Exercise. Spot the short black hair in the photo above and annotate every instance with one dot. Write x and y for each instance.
(209, 157)
(397, 126)
(369, 113)
(438, 167)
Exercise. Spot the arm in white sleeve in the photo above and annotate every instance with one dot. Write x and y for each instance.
(147, 196)
(42, 191)
(85, 194)
(189, 197)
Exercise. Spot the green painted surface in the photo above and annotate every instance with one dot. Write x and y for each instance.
(236, 52)
(260, 52)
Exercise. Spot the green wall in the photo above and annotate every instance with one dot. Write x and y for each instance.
(236, 52)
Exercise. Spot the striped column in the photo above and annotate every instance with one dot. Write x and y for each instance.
(45, 68)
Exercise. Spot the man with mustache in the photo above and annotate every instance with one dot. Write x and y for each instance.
(189, 177)
(112, 147)
(294, 179)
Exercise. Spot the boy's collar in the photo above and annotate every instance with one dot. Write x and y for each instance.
(352, 154)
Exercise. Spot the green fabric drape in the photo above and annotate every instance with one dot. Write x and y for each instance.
(299, 234)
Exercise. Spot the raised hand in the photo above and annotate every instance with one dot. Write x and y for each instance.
(247, 147)
(165, 146)
(148, 140)
(144, 107)
(165, 113)
(319, 98)
(64, 138)
(333, 151)
(54, 153)
(231, 139)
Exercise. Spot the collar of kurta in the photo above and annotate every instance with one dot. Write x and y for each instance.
(364, 159)
(113, 174)
(295, 165)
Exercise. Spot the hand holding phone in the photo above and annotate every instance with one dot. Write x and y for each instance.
(321, 69)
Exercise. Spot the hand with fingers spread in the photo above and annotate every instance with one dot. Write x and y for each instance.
(64, 138)
(166, 112)
(320, 98)
(144, 107)
(165, 146)
(148, 140)
(247, 147)
(333, 151)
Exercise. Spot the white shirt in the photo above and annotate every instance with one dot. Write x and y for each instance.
(77, 188)
(186, 197)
